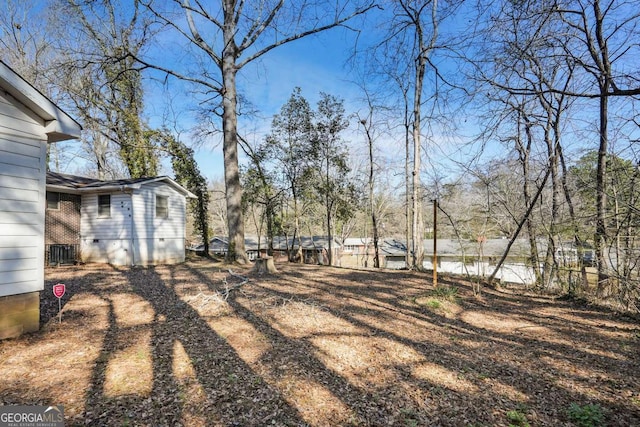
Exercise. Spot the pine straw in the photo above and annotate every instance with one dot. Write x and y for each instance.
(193, 345)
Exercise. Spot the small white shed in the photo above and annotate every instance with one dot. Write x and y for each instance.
(28, 121)
(129, 221)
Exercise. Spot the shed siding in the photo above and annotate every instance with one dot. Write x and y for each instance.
(159, 240)
(152, 241)
(106, 239)
(22, 195)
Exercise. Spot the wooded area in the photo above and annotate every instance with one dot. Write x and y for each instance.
(519, 118)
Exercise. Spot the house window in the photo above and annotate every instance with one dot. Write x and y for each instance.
(53, 200)
(104, 205)
(162, 206)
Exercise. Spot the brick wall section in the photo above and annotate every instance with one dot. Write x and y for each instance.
(19, 314)
(62, 226)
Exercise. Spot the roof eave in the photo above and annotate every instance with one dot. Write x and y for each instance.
(59, 126)
(80, 190)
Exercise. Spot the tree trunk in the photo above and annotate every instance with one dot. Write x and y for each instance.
(418, 247)
(601, 58)
(407, 207)
(265, 266)
(520, 225)
(601, 196)
(550, 261)
(329, 207)
(374, 219)
(526, 193)
(233, 188)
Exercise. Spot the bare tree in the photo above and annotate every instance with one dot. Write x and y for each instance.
(217, 208)
(606, 35)
(226, 37)
(410, 41)
(24, 43)
(595, 41)
(98, 72)
(260, 189)
(371, 132)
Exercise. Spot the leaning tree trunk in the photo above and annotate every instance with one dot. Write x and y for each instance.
(520, 225)
(374, 218)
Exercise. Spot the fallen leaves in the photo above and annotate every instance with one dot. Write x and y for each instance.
(196, 345)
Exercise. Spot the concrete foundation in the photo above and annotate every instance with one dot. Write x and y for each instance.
(19, 314)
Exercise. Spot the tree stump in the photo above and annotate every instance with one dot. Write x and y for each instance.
(264, 265)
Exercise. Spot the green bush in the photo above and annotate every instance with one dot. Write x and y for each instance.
(587, 415)
(517, 419)
(449, 293)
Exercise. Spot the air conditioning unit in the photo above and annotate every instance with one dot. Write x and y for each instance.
(62, 254)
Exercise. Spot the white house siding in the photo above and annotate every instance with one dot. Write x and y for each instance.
(152, 241)
(22, 194)
(516, 273)
(106, 239)
(512, 273)
(159, 240)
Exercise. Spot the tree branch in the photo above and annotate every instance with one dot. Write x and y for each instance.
(303, 34)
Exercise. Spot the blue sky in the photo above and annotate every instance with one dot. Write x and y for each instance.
(315, 64)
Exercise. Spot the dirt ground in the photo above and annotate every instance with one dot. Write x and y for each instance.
(194, 345)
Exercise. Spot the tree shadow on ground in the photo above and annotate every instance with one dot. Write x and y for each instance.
(369, 350)
(234, 394)
(473, 348)
(216, 387)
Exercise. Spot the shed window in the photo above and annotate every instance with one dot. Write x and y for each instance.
(53, 200)
(162, 206)
(104, 205)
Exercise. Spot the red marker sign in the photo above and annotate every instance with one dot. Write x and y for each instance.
(58, 290)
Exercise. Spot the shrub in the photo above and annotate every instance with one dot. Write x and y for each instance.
(587, 415)
(449, 293)
(517, 419)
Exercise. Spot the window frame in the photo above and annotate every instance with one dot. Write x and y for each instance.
(162, 209)
(57, 201)
(102, 206)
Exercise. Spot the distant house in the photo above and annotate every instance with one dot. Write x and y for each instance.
(28, 122)
(120, 222)
(394, 254)
(360, 251)
(469, 257)
(314, 248)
